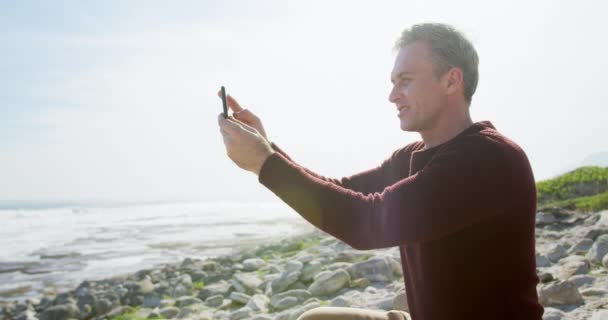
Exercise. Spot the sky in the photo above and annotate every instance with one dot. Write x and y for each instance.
(116, 100)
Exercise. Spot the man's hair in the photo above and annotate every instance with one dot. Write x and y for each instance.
(449, 48)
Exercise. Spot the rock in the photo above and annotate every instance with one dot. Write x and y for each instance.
(600, 315)
(385, 303)
(181, 286)
(168, 312)
(210, 265)
(580, 280)
(299, 295)
(287, 278)
(221, 287)
(310, 269)
(581, 247)
(298, 285)
(87, 299)
(241, 313)
(544, 218)
(26, 315)
(293, 265)
(239, 297)
(246, 282)
(605, 261)
(594, 292)
(186, 301)
(262, 317)
(553, 314)
(556, 252)
(146, 285)
(185, 312)
(253, 264)
(560, 293)
(152, 300)
(304, 257)
(214, 301)
(166, 303)
(598, 250)
(572, 265)
(340, 301)
(285, 302)
(103, 306)
(602, 221)
(117, 312)
(545, 277)
(400, 301)
(329, 283)
(542, 261)
(595, 232)
(361, 283)
(198, 275)
(60, 312)
(376, 269)
(258, 303)
(338, 265)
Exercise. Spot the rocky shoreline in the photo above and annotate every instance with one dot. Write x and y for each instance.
(281, 280)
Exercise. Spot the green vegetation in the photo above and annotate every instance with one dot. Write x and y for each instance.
(593, 203)
(300, 245)
(198, 285)
(363, 257)
(130, 314)
(584, 189)
(261, 273)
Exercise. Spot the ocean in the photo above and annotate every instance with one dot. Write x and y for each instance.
(56, 248)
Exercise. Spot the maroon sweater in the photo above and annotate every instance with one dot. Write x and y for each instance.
(462, 214)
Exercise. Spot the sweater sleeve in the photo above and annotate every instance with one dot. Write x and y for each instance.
(369, 181)
(462, 184)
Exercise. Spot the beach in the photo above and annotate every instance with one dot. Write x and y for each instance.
(45, 250)
(281, 278)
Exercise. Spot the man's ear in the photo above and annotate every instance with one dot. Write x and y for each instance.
(454, 80)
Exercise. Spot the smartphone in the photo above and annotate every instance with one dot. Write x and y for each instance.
(224, 102)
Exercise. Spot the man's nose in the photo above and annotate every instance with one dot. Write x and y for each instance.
(392, 96)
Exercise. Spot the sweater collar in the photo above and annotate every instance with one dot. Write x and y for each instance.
(473, 128)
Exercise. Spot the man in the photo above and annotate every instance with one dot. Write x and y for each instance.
(460, 204)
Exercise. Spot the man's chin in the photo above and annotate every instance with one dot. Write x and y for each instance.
(407, 127)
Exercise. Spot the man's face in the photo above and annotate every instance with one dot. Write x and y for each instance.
(417, 93)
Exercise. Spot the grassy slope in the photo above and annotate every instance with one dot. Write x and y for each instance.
(584, 189)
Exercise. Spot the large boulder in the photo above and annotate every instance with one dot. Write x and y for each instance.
(581, 247)
(219, 288)
(598, 250)
(327, 283)
(281, 283)
(246, 282)
(556, 252)
(553, 314)
(310, 270)
(258, 303)
(289, 298)
(253, 264)
(571, 265)
(376, 269)
(560, 293)
(60, 312)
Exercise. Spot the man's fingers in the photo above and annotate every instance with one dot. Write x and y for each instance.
(232, 103)
(246, 126)
(231, 124)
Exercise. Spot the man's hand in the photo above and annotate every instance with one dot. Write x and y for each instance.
(244, 115)
(244, 144)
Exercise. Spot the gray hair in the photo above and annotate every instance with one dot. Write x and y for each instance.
(449, 48)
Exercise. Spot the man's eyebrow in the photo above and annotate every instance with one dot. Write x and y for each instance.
(404, 73)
